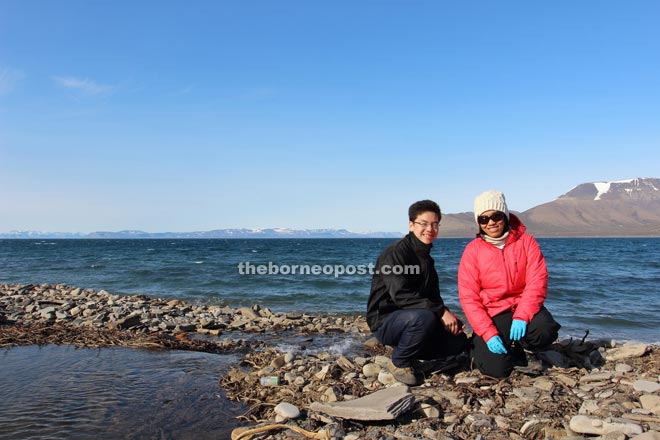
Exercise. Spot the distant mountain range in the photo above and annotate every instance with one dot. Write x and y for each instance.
(216, 233)
(621, 208)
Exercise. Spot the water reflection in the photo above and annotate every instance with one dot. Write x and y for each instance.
(54, 392)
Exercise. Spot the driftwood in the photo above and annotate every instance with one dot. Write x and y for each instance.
(58, 333)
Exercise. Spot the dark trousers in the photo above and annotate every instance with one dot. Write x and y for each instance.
(541, 332)
(418, 334)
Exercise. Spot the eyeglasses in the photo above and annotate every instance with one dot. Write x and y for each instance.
(433, 225)
(484, 219)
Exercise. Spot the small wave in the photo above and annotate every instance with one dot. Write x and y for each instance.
(340, 348)
(199, 262)
(254, 251)
(288, 348)
(96, 266)
(151, 249)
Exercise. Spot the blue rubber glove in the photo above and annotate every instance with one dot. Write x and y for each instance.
(496, 345)
(518, 329)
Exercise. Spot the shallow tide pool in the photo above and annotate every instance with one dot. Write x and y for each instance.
(63, 392)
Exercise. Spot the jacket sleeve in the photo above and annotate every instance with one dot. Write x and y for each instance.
(469, 293)
(402, 289)
(536, 282)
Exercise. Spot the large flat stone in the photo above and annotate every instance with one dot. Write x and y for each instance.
(386, 404)
(651, 402)
(646, 386)
(593, 425)
(626, 351)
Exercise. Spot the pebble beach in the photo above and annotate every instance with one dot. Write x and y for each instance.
(588, 388)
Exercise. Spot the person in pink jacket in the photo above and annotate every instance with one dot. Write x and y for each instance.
(502, 285)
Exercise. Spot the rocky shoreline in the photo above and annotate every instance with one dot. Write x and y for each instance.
(577, 389)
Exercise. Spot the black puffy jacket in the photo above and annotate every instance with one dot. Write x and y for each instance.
(390, 292)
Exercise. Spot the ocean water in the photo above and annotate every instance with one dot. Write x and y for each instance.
(608, 286)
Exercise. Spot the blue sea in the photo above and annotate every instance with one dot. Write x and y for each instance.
(607, 286)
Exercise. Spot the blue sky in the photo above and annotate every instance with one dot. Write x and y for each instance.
(183, 116)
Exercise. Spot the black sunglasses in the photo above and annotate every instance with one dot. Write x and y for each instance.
(484, 219)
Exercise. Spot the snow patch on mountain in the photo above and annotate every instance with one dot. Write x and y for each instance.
(604, 187)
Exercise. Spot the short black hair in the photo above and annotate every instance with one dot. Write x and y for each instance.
(422, 206)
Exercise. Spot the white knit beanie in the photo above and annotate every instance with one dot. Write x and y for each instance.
(490, 201)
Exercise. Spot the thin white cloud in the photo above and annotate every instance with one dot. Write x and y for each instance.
(8, 79)
(185, 90)
(84, 86)
(259, 94)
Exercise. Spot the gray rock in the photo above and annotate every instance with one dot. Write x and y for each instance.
(646, 386)
(386, 404)
(526, 394)
(287, 411)
(126, 322)
(47, 310)
(623, 368)
(478, 421)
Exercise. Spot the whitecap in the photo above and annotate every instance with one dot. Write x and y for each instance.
(199, 262)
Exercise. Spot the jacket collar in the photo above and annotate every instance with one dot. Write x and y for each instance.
(418, 246)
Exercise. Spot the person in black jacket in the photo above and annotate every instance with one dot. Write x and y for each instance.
(405, 309)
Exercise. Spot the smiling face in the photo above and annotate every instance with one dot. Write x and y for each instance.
(493, 229)
(425, 226)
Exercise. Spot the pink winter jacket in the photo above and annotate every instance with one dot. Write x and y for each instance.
(492, 280)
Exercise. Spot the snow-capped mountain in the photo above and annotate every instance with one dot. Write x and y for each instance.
(628, 207)
(616, 208)
(629, 189)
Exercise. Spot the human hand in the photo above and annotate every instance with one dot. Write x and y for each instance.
(518, 329)
(451, 322)
(496, 345)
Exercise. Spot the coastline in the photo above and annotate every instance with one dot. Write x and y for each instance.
(592, 387)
